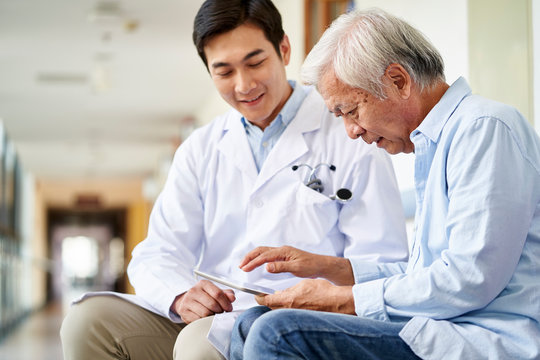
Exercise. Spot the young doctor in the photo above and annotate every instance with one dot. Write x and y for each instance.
(233, 187)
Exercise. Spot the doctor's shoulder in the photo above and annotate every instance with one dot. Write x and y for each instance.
(210, 133)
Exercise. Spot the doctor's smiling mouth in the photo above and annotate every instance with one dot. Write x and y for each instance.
(253, 101)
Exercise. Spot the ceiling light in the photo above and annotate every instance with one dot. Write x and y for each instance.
(106, 12)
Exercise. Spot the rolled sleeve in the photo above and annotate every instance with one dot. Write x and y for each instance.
(369, 300)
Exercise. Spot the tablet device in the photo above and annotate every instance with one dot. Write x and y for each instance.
(249, 288)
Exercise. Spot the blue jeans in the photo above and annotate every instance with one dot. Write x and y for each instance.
(303, 334)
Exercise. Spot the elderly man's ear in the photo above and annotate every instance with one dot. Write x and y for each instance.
(398, 80)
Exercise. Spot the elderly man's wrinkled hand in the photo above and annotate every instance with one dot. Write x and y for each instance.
(310, 294)
(299, 263)
(282, 259)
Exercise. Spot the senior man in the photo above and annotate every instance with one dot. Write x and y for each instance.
(470, 288)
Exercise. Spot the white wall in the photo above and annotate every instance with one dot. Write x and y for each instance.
(501, 52)
(292, 16)
(535, 9)
(213, 106)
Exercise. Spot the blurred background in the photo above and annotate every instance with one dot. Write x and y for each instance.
(95, 97)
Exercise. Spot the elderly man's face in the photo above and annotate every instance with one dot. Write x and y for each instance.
(376, 121)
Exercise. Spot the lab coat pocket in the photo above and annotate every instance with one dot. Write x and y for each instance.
(311, 217)
(308, 196)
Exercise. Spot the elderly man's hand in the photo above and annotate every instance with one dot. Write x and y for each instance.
(299, 263)
(202, 300)
(317, 294)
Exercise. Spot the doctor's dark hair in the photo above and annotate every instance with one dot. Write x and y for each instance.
(360, 45)
(216, 17)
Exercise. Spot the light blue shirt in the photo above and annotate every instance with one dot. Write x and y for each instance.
(471, 287)
(261, 142)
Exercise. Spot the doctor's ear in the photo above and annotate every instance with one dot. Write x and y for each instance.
(399, 80)
(285, 49)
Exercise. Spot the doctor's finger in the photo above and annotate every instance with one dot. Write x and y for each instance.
(192, 308)
(203, 306)
(189, 316)
(206, 294)
(216, 300)
(230, 294)
(196, 312)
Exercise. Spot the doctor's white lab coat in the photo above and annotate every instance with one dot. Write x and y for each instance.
(215, 207)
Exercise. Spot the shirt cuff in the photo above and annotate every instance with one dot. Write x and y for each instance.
(364, 270)
(369, 300)
(174, 317)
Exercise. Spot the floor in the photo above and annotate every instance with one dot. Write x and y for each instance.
(36, 338)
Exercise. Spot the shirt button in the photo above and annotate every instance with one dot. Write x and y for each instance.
(258, 203)
(265, 144)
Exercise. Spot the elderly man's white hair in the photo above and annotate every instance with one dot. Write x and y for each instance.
(360, 45)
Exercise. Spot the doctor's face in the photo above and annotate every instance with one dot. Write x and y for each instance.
(375, 120)
(248, 73)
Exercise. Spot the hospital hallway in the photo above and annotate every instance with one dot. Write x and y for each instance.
(36, 337)
(96, 96)
(86, 248)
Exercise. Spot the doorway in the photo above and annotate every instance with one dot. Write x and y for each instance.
(88, 252)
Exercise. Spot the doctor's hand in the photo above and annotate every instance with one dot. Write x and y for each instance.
(317, 294)
(299, 263)
(202, 300)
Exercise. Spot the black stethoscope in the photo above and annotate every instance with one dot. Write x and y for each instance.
(342, 195)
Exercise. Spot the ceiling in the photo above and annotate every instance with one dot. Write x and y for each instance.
(98, 89)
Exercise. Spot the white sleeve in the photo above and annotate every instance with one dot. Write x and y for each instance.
(161, 267)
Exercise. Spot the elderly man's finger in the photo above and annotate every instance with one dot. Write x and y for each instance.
(282, 266)
(274, 301)
(269, 255)
(261, 299)
(253, 254)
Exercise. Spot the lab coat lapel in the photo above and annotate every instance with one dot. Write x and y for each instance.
(292, 144)
(235, 147)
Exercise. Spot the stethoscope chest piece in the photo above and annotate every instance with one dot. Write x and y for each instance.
(342, 195)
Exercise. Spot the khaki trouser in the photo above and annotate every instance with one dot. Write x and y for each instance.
(107, 327)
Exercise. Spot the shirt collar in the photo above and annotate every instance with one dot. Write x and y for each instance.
(434, 122)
